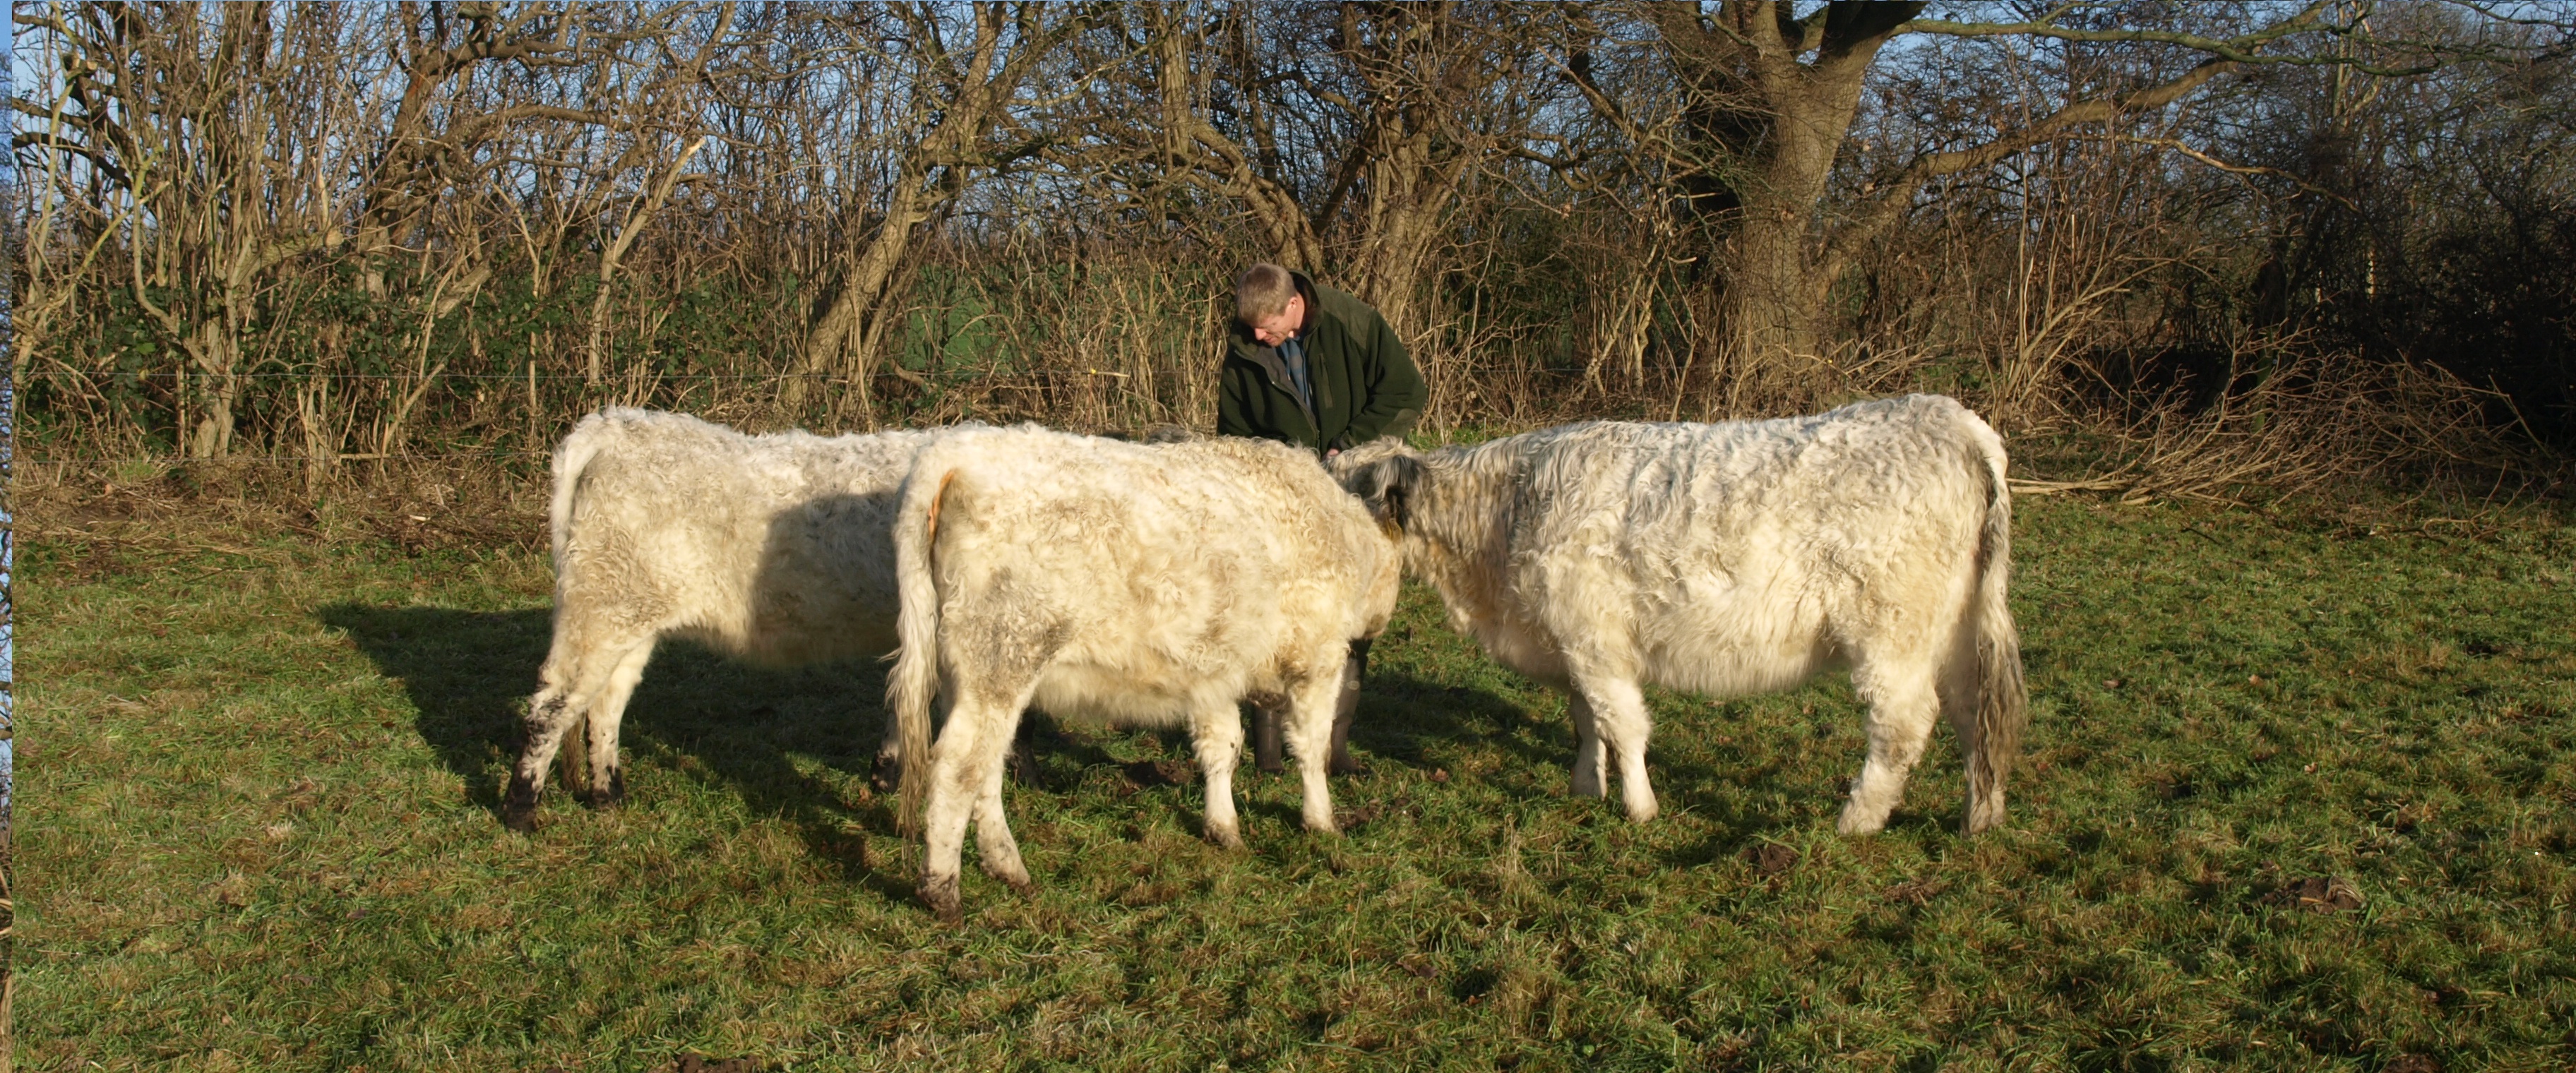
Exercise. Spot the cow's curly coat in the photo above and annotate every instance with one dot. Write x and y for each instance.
(1734, 558)
(774, 548)
(1110, 582)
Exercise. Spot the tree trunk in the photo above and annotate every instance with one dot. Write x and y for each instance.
(846, 335)
(1779, 119)
(1773, 311)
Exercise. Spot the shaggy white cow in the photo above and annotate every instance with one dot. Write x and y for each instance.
(1107, 582)
(1734, 558)
(775, 548)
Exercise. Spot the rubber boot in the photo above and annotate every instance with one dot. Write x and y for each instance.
(1267, 743)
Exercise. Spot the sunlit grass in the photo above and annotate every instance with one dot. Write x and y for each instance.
(257, 831)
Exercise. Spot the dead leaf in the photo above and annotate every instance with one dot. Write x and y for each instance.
(2317, 894)
(1771, 858)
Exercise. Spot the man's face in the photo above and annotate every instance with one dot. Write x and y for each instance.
(1275, 329)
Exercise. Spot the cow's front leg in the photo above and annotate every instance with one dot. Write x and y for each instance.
(1310, 732)
(1587, 746)
(1346, 709)
(1619, 715)
(1218, 737)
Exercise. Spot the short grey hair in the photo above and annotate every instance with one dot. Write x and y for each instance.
(1262, 292)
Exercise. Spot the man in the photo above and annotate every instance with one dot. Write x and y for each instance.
(1310, 365)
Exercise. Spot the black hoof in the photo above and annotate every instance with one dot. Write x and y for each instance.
(519, 806)
(941, 896)
(610, 796)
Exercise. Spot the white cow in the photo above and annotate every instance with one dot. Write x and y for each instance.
(775, 548)
(1729, 559)
(1108, 582)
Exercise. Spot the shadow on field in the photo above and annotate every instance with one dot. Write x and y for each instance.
(1402, 716)
(469, 674)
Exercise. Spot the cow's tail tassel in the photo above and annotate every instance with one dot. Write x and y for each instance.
(910, 689)
(2003, 707)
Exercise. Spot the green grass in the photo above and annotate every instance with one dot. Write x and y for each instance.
(257, 831)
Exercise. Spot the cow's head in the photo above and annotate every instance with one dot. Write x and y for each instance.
(1385, 474)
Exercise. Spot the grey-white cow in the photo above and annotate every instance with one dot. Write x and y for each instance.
(1734, 558)
(1107, 582)
(775, 548)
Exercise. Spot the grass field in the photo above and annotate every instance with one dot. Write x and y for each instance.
(259, 777)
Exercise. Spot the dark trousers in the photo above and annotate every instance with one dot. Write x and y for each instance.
(1267, 718)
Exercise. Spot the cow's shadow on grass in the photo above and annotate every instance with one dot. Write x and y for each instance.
(695, 715)
(1406, 717)
(1771, 766)
(799, 743)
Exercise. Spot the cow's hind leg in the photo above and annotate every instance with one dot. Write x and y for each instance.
(607, 715)
(1587, 746)
(994, 844)
(575, 677)
(1622, 725)
(1904, 702)
(965, 784)
(1961, 693)
(1218, 737)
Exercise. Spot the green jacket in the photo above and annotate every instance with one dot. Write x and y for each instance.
(1365, 384)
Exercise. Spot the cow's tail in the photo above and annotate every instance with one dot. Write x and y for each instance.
(915, 681)
(573, 456)
(2003, 707)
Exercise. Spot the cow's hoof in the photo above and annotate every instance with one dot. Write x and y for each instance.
(1015, 873)
(519, 806)
(940, 894)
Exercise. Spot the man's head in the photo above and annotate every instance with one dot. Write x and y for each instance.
(1266, 299)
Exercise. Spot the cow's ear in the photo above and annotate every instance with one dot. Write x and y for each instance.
(1387, 486)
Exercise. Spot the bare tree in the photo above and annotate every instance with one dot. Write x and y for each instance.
(964, 102)
(1344, 132)
(1768, 95)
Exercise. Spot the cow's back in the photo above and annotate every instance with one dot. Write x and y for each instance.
(1143, 575)
(769, 546)
(1724, 554)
